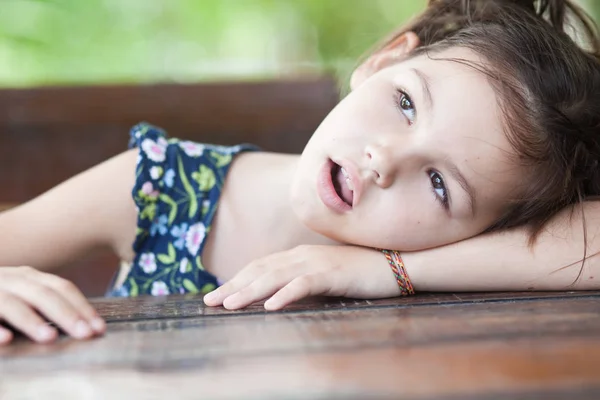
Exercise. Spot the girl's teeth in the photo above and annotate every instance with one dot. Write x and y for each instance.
(348, 180)
(349, 183)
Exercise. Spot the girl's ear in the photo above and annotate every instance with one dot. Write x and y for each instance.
(390, 54)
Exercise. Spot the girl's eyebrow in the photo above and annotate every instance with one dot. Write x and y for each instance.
(464, 184)
(425, 86)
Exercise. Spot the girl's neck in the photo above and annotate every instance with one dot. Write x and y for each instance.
(254, 216)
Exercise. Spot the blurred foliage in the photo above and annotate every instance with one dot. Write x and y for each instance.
(111, 41)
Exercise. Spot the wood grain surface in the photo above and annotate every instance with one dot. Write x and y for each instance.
(430, 346)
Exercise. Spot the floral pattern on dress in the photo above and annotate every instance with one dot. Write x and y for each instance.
(177, 188)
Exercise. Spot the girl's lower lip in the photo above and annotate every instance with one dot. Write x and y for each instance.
(327, 192)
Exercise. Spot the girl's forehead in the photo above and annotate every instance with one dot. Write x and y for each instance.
(451, 59)
(456, 77)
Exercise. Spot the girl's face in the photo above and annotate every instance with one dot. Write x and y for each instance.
(415, 157)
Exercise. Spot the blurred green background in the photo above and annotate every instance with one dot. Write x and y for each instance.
(68, 42)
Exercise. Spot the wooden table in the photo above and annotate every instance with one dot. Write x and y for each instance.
(431, 346)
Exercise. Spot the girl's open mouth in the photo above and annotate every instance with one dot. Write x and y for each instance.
(334, 187)
(342, 184)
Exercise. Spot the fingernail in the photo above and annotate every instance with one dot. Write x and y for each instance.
(232, 301)
(45, 332)
(82, 330)
(98, 325)
(270, 305)
(211, 296)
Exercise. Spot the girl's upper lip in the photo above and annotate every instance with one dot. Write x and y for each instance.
(352, 172)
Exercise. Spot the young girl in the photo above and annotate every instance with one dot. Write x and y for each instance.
(477, 117)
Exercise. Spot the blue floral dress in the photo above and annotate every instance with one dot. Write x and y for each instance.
(177, 187)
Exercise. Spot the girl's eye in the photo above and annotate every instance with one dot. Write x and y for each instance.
(405, 105)
(439, 188)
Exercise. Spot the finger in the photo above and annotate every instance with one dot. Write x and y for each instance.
(260, 288)
(216, 297)
(239, 281)
(299, 288)
(53, 306)
(20, 316)
(78, 301)
(6, 336)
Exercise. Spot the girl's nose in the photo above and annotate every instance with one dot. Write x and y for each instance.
(380, 162)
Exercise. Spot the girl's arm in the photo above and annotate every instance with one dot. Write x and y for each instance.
(492, 262)
(504, 260)
(92, 209)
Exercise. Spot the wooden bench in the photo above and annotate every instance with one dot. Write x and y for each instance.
(50, 134)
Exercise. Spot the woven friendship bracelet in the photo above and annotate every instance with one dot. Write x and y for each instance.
(397, 265)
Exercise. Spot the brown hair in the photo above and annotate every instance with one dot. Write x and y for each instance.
(443, 18)
(548, 87)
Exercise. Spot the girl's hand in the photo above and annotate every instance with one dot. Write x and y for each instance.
(291, 275)
(24, 290)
